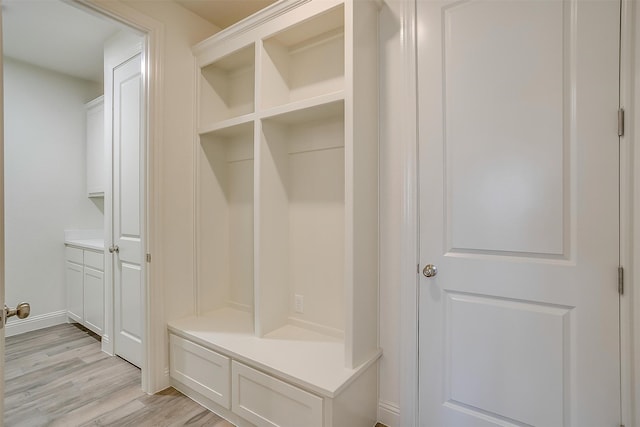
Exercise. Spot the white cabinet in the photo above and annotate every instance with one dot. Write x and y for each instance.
(286, 205)
(85, 287)
(95, 147)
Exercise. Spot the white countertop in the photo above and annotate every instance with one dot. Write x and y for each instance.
(85, 239)
(95, 244)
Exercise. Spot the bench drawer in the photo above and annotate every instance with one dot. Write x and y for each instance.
(267, 401)
(201, 369)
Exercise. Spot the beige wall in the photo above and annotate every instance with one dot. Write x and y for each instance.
(182, 29)
(176, 187)
(173, 186)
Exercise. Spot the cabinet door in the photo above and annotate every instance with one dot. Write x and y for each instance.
(75, 291)
(94, 300)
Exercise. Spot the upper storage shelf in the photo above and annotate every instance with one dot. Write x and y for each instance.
(304, 61)
(227, 87)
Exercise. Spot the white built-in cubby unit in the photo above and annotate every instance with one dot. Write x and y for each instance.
(284, 331)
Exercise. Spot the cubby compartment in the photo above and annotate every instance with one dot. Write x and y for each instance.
(225, 219)
(304, 61)
(226, 87)
(302, 220)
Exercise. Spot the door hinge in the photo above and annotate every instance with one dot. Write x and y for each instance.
(621, 122)
(148, 257)
(620, 280)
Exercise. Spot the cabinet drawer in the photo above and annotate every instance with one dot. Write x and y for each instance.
(205, 371)
(94, 260)
(266, 401)
(73, 254)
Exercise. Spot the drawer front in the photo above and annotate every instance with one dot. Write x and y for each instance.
(267, 401)
(94, 260)
(201, 369)
(73, 254)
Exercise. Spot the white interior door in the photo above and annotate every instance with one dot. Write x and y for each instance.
(127, 212)
(519, 211)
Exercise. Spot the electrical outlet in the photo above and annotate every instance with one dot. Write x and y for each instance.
(298, 303)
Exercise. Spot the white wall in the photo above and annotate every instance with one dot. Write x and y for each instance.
(182, 30)
(175, 187)
(44, 182)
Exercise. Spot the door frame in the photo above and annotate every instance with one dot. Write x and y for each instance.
(154, 352)
(406, 119)
(630, 214)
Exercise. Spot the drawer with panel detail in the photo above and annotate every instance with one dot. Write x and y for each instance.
(267, 401)
(204, 370)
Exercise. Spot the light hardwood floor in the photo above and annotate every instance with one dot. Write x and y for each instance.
(59, 377)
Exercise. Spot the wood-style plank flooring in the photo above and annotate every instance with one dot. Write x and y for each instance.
(59, 377)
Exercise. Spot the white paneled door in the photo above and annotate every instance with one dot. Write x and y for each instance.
(519, 212)
(127, 219)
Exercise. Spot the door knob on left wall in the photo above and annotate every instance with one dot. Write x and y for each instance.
(22, 311)
(114, 248)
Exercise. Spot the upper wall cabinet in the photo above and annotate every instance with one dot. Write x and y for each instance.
(95, 147)
(287, 199)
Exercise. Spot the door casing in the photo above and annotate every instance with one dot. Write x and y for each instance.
(155, 349)
(406, 72)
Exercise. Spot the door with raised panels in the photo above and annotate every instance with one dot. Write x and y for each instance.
(127, 219)
(519, 213)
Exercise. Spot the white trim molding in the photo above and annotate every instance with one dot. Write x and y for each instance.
(630, 210)
(408, 144)
(33, 323)
(389, 414)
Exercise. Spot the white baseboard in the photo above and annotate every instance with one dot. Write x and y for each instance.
(389, 413)
(33, 323)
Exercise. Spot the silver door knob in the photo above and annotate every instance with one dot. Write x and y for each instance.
(430, 270)
(114, 248)
(22, 310)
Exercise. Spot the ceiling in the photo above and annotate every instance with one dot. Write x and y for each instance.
(223, 13)
(55, 35)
